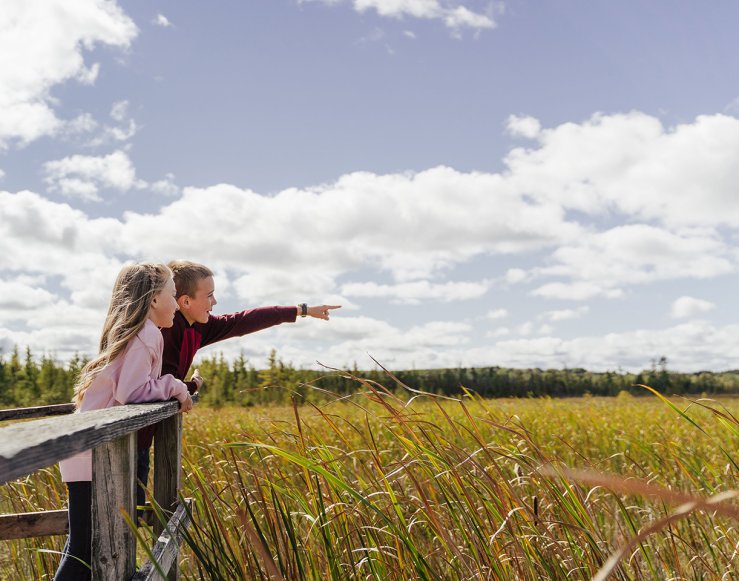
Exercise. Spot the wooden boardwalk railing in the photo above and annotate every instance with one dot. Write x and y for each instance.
(111, 433)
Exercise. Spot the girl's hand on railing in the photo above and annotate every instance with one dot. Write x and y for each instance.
(197, 379)
(186, 405)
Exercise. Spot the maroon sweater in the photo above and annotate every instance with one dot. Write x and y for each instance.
(182, 341)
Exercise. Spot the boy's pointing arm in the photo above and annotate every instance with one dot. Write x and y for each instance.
(220, 327)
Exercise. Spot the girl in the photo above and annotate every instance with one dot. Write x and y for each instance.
(126, 370)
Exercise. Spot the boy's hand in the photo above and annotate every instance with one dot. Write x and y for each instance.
(197, 379)
(321, 311)
(186, 406)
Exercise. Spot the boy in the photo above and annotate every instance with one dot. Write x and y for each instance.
(195, 327)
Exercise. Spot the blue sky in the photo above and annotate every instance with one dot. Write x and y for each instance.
(479, 183)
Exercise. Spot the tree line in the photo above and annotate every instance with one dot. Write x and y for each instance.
(26, 381)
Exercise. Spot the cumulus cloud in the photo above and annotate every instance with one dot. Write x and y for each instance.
(17, 297)
(515, 275)
(630, 164)
(93, 134)
(162, 20)
(127, 127)
(41, 45)
(41, 237)
(688, 307)
(497, 314)
(564, 314)
(693, 346)
(523, 126)
(429, 230)
(418, 291)
(602, 263)
(82, 176)
(270, 284)
(166, 186)
(455, 15)
(416, 228)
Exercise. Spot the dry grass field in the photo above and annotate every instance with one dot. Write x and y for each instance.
(376, 487)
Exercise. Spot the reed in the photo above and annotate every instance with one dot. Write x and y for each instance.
(379, 486)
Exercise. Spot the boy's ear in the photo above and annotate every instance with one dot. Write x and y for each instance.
(183, 301)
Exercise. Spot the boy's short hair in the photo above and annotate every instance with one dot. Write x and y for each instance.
(186, 276)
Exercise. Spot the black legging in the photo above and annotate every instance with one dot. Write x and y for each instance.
(79, 541)
(142, 476)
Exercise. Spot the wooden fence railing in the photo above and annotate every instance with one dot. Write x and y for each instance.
(111, 433)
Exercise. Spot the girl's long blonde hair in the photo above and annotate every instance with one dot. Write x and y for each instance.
(134, 289)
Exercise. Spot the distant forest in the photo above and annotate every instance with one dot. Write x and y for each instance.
(26, 380)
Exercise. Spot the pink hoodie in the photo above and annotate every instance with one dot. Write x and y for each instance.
(132, 378)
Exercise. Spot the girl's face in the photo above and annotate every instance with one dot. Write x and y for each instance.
(164, 305)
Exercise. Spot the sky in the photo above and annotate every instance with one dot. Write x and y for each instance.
(517, 183)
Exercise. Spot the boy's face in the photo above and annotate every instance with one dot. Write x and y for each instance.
(197, 308)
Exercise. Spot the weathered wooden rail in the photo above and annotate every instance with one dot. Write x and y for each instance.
(111, 433)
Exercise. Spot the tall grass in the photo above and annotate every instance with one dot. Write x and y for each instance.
(377, 487)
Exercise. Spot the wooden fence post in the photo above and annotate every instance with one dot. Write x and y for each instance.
(113, 542)
(167, 473)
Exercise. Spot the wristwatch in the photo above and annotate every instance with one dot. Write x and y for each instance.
(303, 309)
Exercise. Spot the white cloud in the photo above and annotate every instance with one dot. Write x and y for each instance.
(523, 126)
(603, 263)
(83, 123)
(564, 314)
(348, 224)
(41, 45)
(576, 291)
(162, 20)
(525, 328)
(630, 164)
(125, 128)
(497, 314)
(41, 237)
(82, 176)
(455, 16)
(166, 187)
(417, 291)
(17, 297)
(304, 244)
(267, 285)
(688, 307)
(119, 111)
(515, 275)
(390, 345)
(499, 332)
(461, 17)
(690, 347)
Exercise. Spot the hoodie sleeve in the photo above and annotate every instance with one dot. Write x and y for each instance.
(220, 327)
(136, 384)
